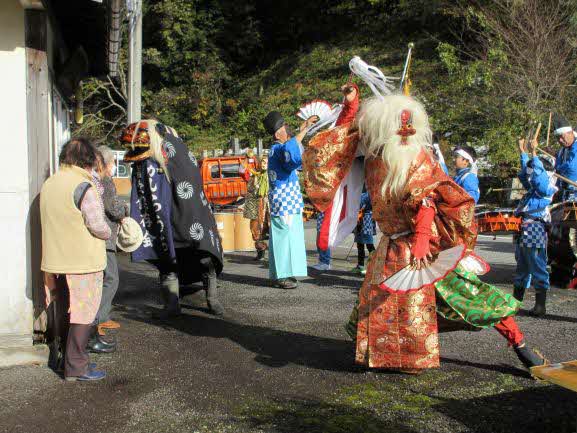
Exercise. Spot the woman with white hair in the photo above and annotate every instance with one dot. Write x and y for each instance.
(422, 213)
(115, 211)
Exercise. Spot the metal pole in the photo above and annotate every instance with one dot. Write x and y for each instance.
(135, 62)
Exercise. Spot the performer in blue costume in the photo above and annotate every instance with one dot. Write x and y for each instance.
(466, 164)
(364, 233)
(287, 252)
(324, 263)
(531, 251)
(566, 162)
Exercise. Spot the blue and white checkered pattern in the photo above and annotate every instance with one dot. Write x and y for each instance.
(286, 199)
(533, 235)
(368, 226)
(320, 219)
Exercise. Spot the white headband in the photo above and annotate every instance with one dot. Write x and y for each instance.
(562, 130)
(465, 155)
(469, 158)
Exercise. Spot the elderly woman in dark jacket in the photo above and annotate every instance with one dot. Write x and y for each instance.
(115, 211)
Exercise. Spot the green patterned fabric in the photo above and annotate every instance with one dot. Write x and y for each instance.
(462, 296)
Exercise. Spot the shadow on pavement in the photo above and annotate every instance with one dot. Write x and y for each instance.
(273, 348)
(539, 409)
(498, 368)
(551, 317)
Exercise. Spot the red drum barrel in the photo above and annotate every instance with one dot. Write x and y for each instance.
(498, 222)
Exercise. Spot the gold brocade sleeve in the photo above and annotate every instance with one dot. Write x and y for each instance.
(326, 161)
(455, 219)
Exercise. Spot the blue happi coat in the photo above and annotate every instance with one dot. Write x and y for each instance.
(366, 228)
(566, 165)
(533, 206)
(285, 191)
(469, 181)
(287, 256)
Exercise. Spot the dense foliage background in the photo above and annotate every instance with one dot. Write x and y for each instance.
(212, 69)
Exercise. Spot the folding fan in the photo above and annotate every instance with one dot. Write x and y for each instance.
(372, 76)
(326, 113)
(475, 264)
(409, 278)
(318, 107)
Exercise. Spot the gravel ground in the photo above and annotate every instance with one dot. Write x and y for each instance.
(280, 361)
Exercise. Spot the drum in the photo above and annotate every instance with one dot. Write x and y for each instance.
(225, 227)
(242, 234)
(498, 222)
(564, 214)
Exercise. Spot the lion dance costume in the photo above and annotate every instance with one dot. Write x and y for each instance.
(167, 200)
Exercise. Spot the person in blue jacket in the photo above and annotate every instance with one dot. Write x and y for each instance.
(566, 161)
(287, 253)
(364, 233)
(466, 177)
(531, 250)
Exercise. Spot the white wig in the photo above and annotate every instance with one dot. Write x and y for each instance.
(379, 124)
(156, 141)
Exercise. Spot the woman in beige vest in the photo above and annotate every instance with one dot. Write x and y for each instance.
(74, 231)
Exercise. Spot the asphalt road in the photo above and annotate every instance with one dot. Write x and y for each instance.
(280, 361)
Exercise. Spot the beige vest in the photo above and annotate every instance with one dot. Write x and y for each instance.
(67, 245)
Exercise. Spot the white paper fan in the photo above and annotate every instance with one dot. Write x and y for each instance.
(380, 84)
(318, 107)
(326, 113)
(409, 278)
(475, 264)
(329, 121)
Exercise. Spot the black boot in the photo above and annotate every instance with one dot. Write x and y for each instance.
(519, 293)
(259, 255)
(98, 345)
(210, 285)
(529, 358)
(169, 290)
(539, 310)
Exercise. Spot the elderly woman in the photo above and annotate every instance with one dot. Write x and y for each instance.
(115, 211)
(74, 232)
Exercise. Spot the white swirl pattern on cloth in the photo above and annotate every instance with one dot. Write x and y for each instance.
(185, 190)
(169, 148)
(197, 231)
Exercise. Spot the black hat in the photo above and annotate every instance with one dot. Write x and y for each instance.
(273, 122)
(560, 124)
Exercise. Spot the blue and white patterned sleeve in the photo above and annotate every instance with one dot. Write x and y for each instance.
(289, 154)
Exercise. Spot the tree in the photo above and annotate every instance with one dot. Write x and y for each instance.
(529, 45)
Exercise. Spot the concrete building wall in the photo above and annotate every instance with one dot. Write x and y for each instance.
(16, 311)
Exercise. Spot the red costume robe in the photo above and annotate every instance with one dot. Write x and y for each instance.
(399, 330)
